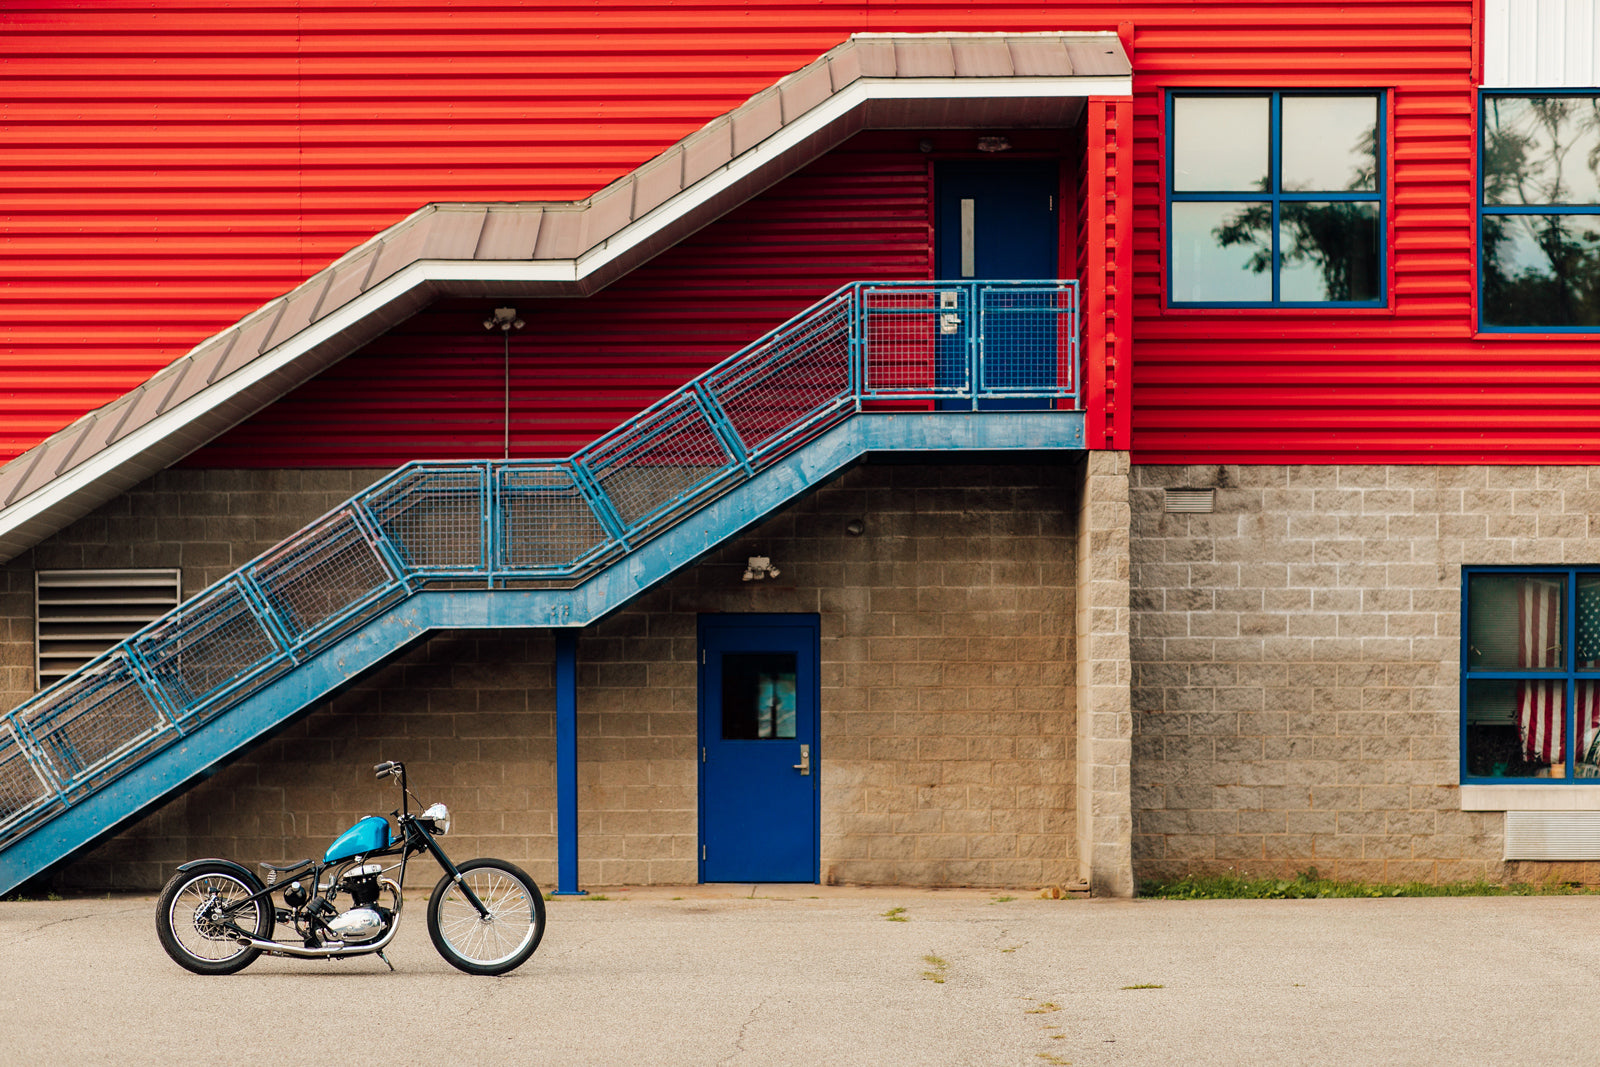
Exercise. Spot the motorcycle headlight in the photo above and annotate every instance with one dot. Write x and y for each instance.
(439, 816)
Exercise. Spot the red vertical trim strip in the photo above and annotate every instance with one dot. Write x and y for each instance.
(1096, 403)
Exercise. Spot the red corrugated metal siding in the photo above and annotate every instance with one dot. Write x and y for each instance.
(1405, 384)
(170, 168)
(435, 387)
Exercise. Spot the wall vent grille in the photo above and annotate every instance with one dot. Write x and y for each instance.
(80, 614)
(1552, 835)
(1191, 501)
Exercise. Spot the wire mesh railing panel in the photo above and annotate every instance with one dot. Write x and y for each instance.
(546, 523)
(22, 791)
(434, 516)
(653, 464)
(1029, 340)
(208, 643)
(916, 341)
(85, 725)
(321, 574)
(776, 385)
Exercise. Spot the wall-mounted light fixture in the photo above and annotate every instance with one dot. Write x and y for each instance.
(759, 567)
(505, 320)
(855, 527)
(994, 144)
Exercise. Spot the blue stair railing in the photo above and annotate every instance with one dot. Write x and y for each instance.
(505, 523)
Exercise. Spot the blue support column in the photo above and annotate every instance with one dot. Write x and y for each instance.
(567, 764)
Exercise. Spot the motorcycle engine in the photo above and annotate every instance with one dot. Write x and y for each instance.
(366, 920)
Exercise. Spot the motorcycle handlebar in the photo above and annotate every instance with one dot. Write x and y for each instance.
(386, 768)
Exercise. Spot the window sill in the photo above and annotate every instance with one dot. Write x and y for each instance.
(1526, 797)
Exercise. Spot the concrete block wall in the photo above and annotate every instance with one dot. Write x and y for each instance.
(1104, 719)
(948, 690)
(1296, 661)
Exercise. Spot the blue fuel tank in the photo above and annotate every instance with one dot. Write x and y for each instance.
(368, 835)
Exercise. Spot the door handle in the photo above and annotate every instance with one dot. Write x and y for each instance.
(804, 766)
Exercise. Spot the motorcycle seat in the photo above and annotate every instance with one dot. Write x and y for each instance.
(285, 868)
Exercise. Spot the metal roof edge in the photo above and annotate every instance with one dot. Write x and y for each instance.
(559, 247)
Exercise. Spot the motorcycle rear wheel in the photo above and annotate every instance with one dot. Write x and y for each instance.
(504, 939)
(193, 939)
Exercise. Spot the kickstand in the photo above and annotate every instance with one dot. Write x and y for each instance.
(385, 959)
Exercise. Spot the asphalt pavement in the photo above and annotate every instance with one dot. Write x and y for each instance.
(757, 975)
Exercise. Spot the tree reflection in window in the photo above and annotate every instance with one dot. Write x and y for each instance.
(1541, 211)
(1309, 231)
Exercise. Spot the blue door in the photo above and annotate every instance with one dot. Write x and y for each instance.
(997, 219)
(759, 813)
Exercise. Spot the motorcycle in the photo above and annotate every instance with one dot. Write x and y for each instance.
(485, 916)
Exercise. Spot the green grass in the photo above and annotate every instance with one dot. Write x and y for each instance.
(1308, 884)
(896, 915)
(938, 968)
(1145, 985)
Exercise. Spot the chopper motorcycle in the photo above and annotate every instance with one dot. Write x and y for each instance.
(485, 916)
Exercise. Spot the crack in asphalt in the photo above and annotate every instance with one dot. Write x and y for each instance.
(744, 1027)
(34, 931)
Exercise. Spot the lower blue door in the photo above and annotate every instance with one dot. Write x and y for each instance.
(759, 811)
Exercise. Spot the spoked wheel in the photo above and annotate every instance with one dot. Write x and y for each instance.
(487, 944)
(202, 914)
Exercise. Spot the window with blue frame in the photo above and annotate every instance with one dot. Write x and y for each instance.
(1275, 199)
(1530, 679)
(1539, 211)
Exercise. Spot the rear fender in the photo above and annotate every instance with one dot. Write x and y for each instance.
(250, 878)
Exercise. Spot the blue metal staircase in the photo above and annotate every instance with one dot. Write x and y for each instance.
(532, 543)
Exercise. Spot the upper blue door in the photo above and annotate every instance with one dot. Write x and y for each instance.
(996, 219)
(759, 814)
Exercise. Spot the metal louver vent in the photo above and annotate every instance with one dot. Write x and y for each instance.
(1191, 501)
(1552, 835)
(80, 614)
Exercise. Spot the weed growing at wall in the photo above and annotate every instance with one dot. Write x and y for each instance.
(1308, 884)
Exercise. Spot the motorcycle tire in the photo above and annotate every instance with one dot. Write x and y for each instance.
(200, 945)
(506, 938)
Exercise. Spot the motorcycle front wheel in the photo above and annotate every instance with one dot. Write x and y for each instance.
(194, 926)
(487, 944)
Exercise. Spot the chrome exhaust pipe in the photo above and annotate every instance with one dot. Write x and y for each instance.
(337, 948)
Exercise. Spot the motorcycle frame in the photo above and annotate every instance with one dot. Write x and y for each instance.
(414, 839)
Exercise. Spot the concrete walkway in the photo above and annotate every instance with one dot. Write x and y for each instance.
(757, 975)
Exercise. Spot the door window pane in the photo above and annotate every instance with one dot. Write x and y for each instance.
(1329, 251)
(1330, 144)
(1222, 252)
(758, 695)
(1220, 143)
(1515, 621)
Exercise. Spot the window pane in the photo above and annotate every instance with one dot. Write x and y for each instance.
(1330, 144)
(1516, 729)
(1329, 251)
(1219, 143)
(758, 695)
(1514, 621)
(1541, 270)
(1541, 150)
(1588, 622)
(1222, 252)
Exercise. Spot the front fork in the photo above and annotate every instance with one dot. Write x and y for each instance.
(450, 869)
